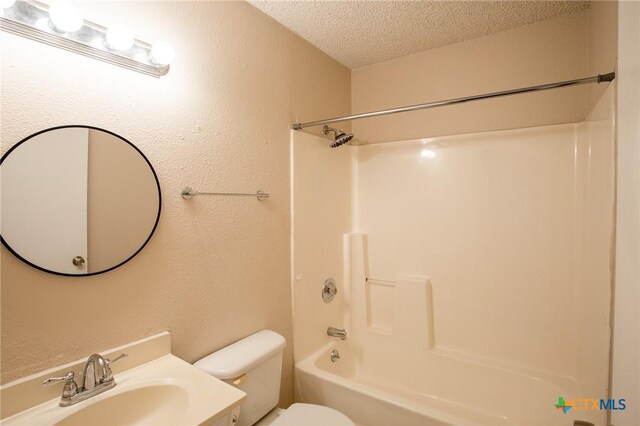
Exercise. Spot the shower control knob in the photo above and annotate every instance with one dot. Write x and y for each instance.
(329, 290)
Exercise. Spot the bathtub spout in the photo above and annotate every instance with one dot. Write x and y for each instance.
(337, 332)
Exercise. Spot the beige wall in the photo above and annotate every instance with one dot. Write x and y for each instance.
(534, 54)
(217, 269)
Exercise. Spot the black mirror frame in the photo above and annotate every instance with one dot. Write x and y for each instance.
(155, 225)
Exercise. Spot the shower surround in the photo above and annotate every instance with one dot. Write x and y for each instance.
(473, 274)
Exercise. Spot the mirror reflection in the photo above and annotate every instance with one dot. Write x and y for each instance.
(77, 200)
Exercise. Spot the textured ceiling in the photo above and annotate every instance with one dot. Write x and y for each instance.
(358, 33)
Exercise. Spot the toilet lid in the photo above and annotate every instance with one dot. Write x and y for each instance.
(311, 414)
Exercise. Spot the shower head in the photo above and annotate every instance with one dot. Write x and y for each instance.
(340, 137)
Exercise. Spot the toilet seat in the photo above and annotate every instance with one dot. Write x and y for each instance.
(311, 414)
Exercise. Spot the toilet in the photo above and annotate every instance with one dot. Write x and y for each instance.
(254, 365)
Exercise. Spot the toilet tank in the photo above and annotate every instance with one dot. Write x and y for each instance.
(253, 365)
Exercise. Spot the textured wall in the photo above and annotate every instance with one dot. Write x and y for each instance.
(539, 53)
(218, 268)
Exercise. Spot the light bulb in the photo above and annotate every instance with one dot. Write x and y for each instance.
(6, 4)
(65, 17)
(162, 53)
(43, 24)
(98, 43)
(119, 38)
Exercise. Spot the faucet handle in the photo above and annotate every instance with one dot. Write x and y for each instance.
(118, 358)
(53, 380)
(70, 386)
(108, 362)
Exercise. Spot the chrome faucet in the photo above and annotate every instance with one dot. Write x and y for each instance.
(97, 377)
(337, 332)
(96, 372)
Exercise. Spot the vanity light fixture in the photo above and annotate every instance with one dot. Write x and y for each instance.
(162, 53)
(62, 25)
(119, 38)
(65, 17)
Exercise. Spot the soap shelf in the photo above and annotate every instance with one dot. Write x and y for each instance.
(187, 193)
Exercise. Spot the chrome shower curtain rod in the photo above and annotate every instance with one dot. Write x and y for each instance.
(596, 79)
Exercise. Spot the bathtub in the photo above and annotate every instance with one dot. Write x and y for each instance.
(386, 388)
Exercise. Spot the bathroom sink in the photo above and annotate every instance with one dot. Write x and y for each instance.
(165, 391)
(154, 404)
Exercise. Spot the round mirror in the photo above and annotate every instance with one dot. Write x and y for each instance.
(77, 200)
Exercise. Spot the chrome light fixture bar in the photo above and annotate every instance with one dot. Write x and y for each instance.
(31, 19)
